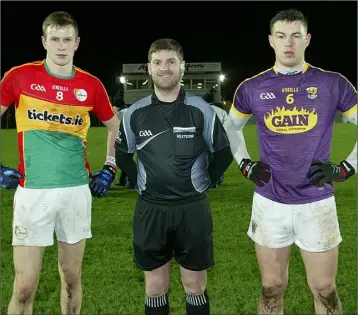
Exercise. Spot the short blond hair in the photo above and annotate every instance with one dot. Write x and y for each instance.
(59, 19)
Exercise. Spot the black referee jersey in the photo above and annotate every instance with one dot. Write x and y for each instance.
(172, 141)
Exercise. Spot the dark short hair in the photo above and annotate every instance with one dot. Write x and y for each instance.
(166, 44)
(290, 15)
(59, 19)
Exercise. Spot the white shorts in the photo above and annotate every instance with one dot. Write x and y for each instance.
(313, 226)
(40, 212)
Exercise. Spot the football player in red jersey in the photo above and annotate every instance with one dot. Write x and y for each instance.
(53, 99)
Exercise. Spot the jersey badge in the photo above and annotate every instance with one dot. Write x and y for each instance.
(80, 94)
(312, 92)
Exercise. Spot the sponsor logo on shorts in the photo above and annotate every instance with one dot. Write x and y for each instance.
(20, 232)
(291, 121)
(58, 118)
(332, 238)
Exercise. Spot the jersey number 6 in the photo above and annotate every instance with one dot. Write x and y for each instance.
(289, 99)
(59, 96)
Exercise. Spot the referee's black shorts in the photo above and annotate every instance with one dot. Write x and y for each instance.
(180, 229)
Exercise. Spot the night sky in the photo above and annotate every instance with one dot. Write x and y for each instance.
(233, 33)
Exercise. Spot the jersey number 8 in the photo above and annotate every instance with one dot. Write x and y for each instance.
(59, 96)
(289, 99)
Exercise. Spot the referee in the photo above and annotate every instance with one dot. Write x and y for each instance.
(172, 131)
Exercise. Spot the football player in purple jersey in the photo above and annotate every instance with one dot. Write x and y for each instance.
(294, 105)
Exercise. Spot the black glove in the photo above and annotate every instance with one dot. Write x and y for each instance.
(102, 180)
(327, 172)
(256, 171)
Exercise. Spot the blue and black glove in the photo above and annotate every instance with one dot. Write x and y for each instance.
(102, 180)
(328, 172)
(10, 177)
(256, 171)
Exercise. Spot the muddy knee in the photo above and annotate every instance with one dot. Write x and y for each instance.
(273, 286)
(272, 292)
(24, 291)
(271, 298)
(322, 286)
(327, 295)
(329, 299)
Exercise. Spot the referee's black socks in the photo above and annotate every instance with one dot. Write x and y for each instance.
(197, 304)
(158, 305)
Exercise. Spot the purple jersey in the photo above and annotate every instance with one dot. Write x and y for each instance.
(295, 116)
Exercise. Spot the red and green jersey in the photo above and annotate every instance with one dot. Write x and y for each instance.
(52, 120)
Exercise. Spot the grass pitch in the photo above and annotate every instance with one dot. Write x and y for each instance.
(113, 285)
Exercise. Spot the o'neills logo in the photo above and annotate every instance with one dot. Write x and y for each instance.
(290, 121)
(59, 118)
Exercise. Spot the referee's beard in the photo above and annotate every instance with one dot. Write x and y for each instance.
(167, 84)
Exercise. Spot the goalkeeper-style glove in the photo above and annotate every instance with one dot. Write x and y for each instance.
(256, 171)
(102, 180)
(10, 177)
(327, 172)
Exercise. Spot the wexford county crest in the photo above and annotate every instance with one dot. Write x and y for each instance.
(290, 121)
(312, 92)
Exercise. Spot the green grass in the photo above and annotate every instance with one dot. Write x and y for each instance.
(113, 285)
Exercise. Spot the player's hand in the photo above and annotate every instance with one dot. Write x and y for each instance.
(256, 171)
(327, 172)
(102, 180)
(10, 177)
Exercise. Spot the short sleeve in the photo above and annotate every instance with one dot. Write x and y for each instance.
(8, 93)
(241, 101)
(125, 140)
(102, 106)
(220, 139)
(347, 96)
